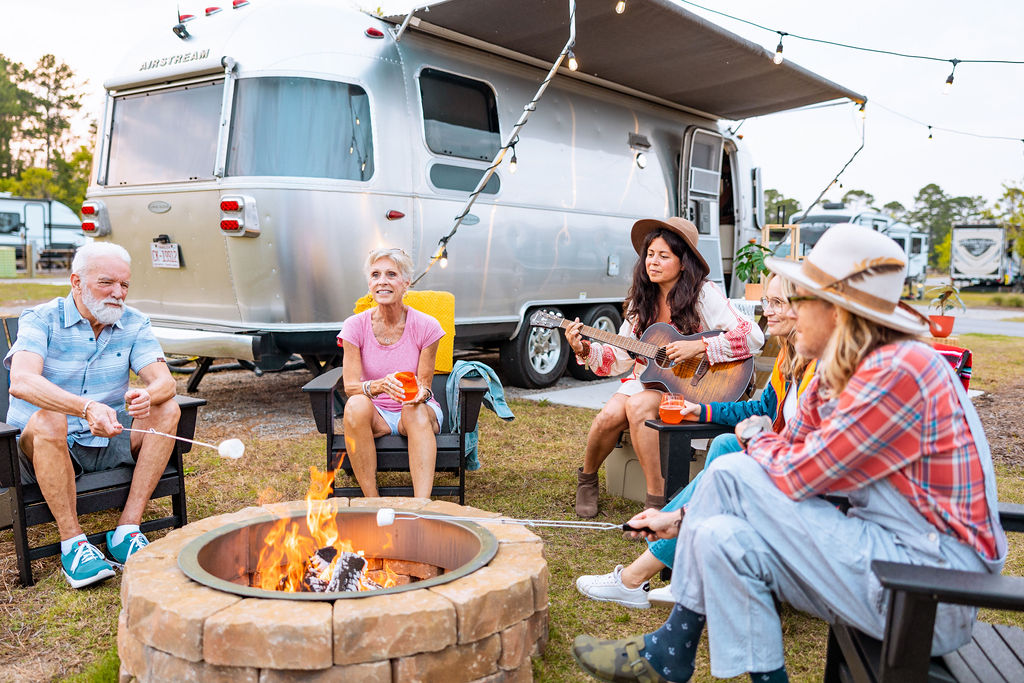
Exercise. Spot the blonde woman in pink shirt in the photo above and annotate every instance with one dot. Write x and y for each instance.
(379, 343)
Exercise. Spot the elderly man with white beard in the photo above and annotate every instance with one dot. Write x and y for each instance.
(70, 397)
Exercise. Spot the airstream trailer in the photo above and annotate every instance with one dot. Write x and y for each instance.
(251, 158)
(50, 229)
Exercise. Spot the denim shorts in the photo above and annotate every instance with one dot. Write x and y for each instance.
(117, 452)
(392, 416)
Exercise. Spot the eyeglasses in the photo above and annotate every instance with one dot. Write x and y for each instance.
(795, 301)
(773, 305)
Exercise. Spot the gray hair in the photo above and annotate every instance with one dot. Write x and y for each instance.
(87, 253)
(402, 260)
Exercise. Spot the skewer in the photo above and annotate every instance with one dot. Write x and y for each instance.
(387, 517)
(232, 448)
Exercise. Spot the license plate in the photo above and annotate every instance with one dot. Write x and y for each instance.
(165, 255)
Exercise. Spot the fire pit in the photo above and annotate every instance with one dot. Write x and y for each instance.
(462, 601)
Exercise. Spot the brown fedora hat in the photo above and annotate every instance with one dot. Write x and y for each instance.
(680, 226)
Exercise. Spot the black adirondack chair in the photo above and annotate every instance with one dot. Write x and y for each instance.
(393, 451)
(23, 506)
(995, 653)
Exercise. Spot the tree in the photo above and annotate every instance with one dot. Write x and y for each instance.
(859, 199)
(936, 212)
(895, 210)
(16, 104)
(1009, 211)
(72, 177)
(58, 97)
(777, 208)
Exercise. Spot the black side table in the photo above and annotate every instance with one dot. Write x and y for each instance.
(676, 452)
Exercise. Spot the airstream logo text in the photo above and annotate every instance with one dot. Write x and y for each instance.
(174, 59)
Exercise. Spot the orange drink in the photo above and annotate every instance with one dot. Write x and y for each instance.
(409, 384)
(671, 408)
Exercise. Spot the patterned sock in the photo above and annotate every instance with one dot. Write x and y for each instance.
(672, 649)
(777, 676)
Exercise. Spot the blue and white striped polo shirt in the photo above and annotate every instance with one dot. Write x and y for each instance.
(79, 363)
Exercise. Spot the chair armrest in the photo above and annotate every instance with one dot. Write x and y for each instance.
(1011, 515)
(10, 469)
(189, 406)
(952, 586)
(471, 397)
(320, 390)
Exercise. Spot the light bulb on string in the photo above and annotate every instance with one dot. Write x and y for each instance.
(620, 6)
(514, 162)
(862, 111)
(573, 64)
(778, 50)
(442, 258)
(949, 79)
(930, 133)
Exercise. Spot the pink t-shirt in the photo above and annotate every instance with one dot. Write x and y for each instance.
(421, 330)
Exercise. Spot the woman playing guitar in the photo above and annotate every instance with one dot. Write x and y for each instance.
(670, 285)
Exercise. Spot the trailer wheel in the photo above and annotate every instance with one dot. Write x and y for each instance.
(604, 317)
(536, 357)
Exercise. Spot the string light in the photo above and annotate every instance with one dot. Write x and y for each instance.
(573, 64)
(620, 6)
(778, 50)
(949, 79)
(443, 261)
(862, 111)
(930, 133)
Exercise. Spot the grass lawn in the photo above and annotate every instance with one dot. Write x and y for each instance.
(51, 631)
(15, 293)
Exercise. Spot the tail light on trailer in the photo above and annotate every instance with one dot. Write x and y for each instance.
(236, 4)
(238, 216)
(96, 222)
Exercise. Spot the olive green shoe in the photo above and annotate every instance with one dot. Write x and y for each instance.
(615, 660)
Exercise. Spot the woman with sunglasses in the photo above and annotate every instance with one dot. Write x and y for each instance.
(790, 376)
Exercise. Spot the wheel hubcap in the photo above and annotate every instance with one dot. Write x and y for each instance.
(545, 347)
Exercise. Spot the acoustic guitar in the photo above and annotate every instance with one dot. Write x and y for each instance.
(695, 378)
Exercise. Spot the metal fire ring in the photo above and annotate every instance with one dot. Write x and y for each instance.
(191, 559)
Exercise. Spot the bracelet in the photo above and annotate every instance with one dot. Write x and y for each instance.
(366, 389)
(585, 354)
(86, 408)
(430, 395)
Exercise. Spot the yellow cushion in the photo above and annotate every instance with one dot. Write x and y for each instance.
(440, 306)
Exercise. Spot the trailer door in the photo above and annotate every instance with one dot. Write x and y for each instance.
(699, 187)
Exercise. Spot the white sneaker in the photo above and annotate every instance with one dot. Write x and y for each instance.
(609, 588)
(662, 596)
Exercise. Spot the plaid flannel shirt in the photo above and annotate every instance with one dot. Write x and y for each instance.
(900, 419)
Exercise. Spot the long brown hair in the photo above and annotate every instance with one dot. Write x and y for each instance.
(644, 296)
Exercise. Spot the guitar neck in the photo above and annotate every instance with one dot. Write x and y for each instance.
(634, 346)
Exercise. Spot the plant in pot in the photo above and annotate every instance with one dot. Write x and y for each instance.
(749, 267)
(944, 298)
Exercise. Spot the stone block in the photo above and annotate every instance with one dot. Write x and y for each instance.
(444, 507)
(527, 558)
(387, 626)
(523, 674)
(537, 632)
(170, 616)
(420, 570)
(488, 600)
(271, 634)
(396, 503)
(171, 544)
(165, 667)
(456, 664)
(372, 672)
(511, 533)
(514, 649)
(149, 569)
(130, 649)
(288, 508)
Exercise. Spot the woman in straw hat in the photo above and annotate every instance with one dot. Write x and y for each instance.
(670, 285)
(886, 421)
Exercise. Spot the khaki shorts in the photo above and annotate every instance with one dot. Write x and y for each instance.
(117, 452)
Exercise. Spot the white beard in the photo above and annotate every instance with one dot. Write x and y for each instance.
(99, 309)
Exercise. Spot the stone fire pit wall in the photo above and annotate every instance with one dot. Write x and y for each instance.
(483, 627)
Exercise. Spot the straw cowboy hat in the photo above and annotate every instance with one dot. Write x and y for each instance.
(680, 226)
(858, 269)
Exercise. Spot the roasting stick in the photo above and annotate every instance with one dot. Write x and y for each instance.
(232, 448)
(387, 517)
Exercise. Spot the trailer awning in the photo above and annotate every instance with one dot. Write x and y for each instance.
(655, 48)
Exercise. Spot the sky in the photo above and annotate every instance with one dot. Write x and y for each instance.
(799, 152)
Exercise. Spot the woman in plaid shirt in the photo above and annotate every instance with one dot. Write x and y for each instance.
(884, 421)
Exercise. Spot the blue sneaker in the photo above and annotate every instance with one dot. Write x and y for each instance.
(129, 545)
(85, 565)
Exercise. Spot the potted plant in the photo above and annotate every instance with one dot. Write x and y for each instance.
(944, 298)
(749, 267)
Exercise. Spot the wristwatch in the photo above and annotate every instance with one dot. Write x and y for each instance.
(749, 432)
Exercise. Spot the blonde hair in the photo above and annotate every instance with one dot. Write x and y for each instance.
(401, 260)
(853, 339)
(792, 365)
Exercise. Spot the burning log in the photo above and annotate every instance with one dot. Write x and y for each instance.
(327, 570)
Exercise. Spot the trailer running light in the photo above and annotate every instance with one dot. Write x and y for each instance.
(88, 210)
(210, 11)
(186, 18)
(394, 215)
(239, 3)
(88, 226)
(374, 33)
(229, 205)
(97, 222)
(238, 216)
(230, 225)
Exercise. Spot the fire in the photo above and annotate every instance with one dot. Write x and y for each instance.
(287, 558)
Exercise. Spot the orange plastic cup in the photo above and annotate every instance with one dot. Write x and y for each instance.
(409, 384)
(671, 408)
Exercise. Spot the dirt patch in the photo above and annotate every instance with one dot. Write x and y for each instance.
(1000, 416)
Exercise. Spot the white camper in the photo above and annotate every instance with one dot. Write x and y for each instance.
(52, 230)
(250, 159)
(981, 254)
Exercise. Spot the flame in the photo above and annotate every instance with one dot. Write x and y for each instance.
(286, 552)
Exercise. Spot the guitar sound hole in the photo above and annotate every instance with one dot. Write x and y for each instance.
(662, 359)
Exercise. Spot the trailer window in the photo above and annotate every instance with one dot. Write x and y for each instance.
(460, 116)
(916, 244)
(300, 127)
(902, 242)
(9, 222)
(448, 177)
(165, 135)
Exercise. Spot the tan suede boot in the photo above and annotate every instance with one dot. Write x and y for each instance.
(586, 494)
(656, 502)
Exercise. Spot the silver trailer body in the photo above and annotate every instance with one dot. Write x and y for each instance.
(980, 254)
(334, 137)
